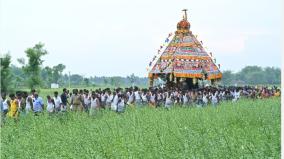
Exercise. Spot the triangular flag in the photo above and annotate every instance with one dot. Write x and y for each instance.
(211, 54)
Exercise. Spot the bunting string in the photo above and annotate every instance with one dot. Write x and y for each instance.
(166, 41)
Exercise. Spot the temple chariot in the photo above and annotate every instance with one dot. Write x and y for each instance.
(184, 61)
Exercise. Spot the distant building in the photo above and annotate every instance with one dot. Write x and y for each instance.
(54, 85)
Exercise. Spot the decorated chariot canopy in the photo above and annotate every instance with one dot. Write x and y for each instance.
(185, 57)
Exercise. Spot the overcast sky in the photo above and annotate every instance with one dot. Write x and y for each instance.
(120, 37)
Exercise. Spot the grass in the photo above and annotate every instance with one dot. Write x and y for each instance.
(247, 129)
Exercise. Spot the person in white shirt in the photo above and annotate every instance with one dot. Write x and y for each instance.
(57, 102)
(236, 95)
(205, 99)
(87, 100)
(50, 105)
(95, 103)
(29, 104)
(130, 98)
(109, 99)
(114, 102)
(214, 99)
(185, 99)
(222, 94)
(120, 103)
(169, 100)
(5, 107)
(144, 98)
(103, 99)
(29, 101)
(152, 99)
(137, 96)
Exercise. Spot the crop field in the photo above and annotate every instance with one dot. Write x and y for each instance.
(246, 129)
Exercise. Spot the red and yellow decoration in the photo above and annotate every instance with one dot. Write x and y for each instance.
(184, 56)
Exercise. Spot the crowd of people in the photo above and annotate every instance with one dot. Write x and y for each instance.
(118, 99)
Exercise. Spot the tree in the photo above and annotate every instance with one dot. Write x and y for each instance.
(272, 75)
(253, 75)
(18, 76)
(277, 73)
(47, 75)
(87, 82)
(21, 61)
(76, 79)
(112, 81)
(34, 62)
(132, 78)
(115, 81)
(227, 78)
(57, 72)
(105, 81)
(248, 73)
(5, 72)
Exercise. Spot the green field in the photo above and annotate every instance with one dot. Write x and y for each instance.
(247, 129)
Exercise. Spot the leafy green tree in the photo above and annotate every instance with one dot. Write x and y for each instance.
(272, 75)
(21, 61)
(47, 75)
(57, 72)
(33, 66)
(132, 79)
(249, 74)
(112, 81)
(87, 82)
(76, 79)
(228, 77)
(18, 76)
(115, 81)
(253, 75)
(249, 69)
(105, 80)
(277, 72)
(5, 72)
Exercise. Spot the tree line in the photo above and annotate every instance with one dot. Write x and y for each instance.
(32, 74)
(253, 75)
